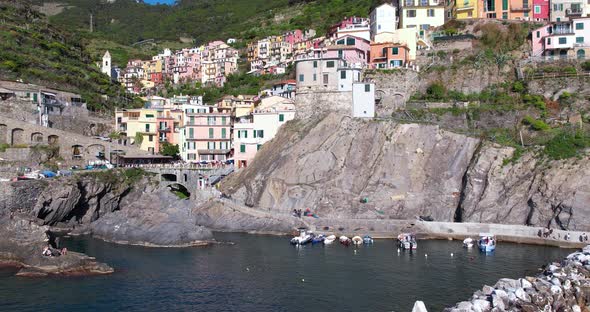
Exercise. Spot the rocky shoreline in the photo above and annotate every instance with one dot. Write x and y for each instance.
(562, 286)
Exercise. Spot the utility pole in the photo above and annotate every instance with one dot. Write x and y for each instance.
(91, 22)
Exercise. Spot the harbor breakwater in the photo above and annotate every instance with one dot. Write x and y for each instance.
(563, 286)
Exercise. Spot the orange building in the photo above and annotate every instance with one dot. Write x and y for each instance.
(506, 9)
(388, 55)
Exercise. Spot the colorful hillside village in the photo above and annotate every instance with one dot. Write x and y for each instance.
(236, 127)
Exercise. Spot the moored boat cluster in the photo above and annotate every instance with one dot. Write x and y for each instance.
(307, 237)
(563, 286)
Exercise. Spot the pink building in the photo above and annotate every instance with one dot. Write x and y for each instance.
(538, 38)
(353, 50)
(293, 37)
(209, 134)
(566, 39)
(168, 123)
(540, 10)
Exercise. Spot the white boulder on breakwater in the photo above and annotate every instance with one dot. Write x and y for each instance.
(563, 286)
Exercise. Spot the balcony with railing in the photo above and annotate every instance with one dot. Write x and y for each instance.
(573, 12)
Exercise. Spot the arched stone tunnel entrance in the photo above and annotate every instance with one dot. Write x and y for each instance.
(37, 138)
(179, 190)
(3, 134)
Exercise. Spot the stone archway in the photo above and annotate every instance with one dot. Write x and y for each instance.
(3, 134)
(179, 190)
(581, 54)
(36, 137)
(17, 137)
(53, 139)
(77, 151)
(96, 150)
(169, 177)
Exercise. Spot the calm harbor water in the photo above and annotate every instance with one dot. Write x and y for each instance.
(265, 273)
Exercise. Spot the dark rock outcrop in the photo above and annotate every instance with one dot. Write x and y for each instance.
(22, 245)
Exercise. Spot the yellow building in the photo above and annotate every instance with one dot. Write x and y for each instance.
(135, 123)
(465, 9)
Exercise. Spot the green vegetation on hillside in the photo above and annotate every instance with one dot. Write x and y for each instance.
(36, 52)
(127, 21)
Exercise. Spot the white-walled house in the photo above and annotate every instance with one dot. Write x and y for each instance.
(326, 74)
(251, 132)
(383, 20)
(363, 100)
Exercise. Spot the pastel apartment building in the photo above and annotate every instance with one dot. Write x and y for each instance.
(565, 10)
(421, 14)
(388, 55)
(351, 26)
(466, 9)
(567, 39)
(506, 9)
(541, 10)
(325, 74)
(252, 131)
(135, 123)
(354, 50)
(206, 135)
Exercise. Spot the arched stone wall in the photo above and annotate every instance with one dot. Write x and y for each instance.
(17, 136)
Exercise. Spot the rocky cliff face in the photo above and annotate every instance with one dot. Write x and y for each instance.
(332, 163)
(109, 206)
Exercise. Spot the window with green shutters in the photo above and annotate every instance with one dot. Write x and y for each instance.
(367, 88)
(211, 135)
(315, 64)
(579, 26)
(147, 127)
(242, 148)
(258, 147)
(300, 78)
(350, 41)
(191, 133)
(281, 117)
(504, 5)
(223, 120)
(394, 51)
(579, 39)
(149, 116)
(384, 52)
(330, 64)
(343, 74)
(562, 40)
(504, 15)
(223, 133)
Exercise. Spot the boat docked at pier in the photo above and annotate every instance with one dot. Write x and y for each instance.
(487, 242)
(367, 239)
(407, 241)
(344, 240)
(357, 240)
(303, 238)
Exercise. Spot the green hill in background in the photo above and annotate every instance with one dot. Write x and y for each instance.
(36, 52)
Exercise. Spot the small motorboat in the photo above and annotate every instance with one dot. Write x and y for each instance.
(344, 240)
(318, 239)
(357, 240)
(487, 242)
(407, 241)
(303, 238)
(468, 242)
(329, 239)
(367, 239)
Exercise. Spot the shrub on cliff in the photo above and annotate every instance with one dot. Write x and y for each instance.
(436, 91)
(567, 143)
(535, 124)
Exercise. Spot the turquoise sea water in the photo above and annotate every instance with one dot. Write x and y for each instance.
(265, 273)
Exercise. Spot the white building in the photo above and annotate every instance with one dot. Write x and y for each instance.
(363, 100)
(383, 20)
(106, 64)
(251, 132)
(325, 74)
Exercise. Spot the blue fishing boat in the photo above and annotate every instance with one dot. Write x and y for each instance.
(486, 242)
(318, 239)
(367, 239)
